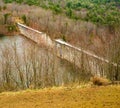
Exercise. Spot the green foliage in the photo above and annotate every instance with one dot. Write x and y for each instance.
(64, 37)
(104, 15)
(19, 1)
(24, 19)
(6, 17)
(69, 12)
(31, 2)
(11, 28)
(55, 7)
(100, 12)
(3, 8)
(8, 1)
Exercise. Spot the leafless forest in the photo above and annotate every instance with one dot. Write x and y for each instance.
(36, 67)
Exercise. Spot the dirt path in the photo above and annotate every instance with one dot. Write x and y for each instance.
(99, 97)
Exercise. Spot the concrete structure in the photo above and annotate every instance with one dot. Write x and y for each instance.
(77, 56)
(35, 35)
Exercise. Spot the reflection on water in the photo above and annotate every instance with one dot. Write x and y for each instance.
(25, 64)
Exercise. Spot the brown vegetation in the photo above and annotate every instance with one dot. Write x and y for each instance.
(63, 97)
(79, 33)
(100, 81)
(27, 65)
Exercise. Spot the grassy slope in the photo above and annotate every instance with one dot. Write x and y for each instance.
(99, 97)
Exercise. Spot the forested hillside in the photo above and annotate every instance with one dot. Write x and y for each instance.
(92, 25)
(105, 12)
(88, 23)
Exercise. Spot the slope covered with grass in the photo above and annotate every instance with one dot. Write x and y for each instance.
(96, 97)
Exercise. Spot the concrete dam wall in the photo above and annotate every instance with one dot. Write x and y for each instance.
(77, 56)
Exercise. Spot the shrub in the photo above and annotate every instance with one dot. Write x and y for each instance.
(6, 17)
(100, 81)
(11, 28)
(4, 7)
(24, 19)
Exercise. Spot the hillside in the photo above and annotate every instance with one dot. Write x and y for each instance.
(93, 25)
(102, 12)
(33, 76)
(89, 24)
(63, 97)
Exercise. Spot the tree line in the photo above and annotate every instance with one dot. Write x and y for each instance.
(100, 12)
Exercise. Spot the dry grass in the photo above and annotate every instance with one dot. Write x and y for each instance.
(98, 97)
(100, 81)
